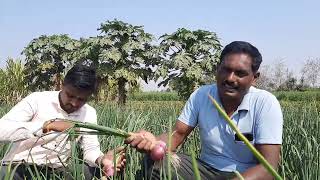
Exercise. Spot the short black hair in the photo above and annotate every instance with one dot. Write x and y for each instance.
(82, 77)
(243, 47)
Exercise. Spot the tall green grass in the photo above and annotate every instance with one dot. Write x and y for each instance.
(298, 95)
(301, 142)
(301, 138)
(154, 96)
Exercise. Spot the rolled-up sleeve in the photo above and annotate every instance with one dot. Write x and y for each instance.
(189, 114)
(16, 124)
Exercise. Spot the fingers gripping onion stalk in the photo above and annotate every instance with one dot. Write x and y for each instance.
(157, 153)
(109, 169)
(256, 153)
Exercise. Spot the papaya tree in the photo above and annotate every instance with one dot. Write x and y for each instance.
(188, 59)
(46, 60)
(123, 53)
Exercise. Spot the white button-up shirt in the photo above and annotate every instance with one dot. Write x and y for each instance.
(22, 126)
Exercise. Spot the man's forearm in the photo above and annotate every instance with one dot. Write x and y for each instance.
(14, 131)
(16, 135)
(256, 173)
(271, 153)
(176, 140)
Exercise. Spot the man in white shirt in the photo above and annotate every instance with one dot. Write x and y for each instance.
(28, 120)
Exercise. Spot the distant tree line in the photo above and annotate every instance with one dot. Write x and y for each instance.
(278, 77)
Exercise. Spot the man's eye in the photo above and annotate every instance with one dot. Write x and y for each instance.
(70, 96)
(82, 100)
(225, 70)
(241, 73)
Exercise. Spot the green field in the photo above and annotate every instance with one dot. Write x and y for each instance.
(301, 138)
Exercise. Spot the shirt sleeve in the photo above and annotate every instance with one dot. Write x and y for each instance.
(16, 124)
(189, 114)
(90, 143)
(269, 124)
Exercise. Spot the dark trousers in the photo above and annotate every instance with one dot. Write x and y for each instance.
(31, 171)
(183, 171)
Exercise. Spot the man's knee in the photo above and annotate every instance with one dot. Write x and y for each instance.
(14, 171)
(91, 172)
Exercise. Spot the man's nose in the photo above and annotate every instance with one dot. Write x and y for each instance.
(75, 102)
(231, 77)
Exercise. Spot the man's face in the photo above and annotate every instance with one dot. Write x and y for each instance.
(235, 76)
(71, 99)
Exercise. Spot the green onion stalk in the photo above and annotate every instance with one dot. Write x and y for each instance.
(256, 153)
(100, 129)
(239, 176)
(157, 153)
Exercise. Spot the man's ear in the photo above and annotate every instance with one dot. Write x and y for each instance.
(255, 77)
(62, 86)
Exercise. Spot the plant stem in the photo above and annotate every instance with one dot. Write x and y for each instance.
(101, 129)
(256, 153)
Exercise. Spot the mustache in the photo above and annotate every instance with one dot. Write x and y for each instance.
(70, 106)
(230, 84)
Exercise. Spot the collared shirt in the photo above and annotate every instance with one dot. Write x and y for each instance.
(22, 125)
(258, 115)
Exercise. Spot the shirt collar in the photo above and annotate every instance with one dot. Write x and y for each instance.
(56, 102)
(55, 99)
(245, 103)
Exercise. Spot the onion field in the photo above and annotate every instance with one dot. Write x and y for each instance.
(300, 152)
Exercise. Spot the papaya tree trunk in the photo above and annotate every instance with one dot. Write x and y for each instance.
(97, 90)
(59, 69)
(122, 93)
(57, 83)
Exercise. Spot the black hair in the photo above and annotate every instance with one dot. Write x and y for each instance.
(82, 77)
(243, 47)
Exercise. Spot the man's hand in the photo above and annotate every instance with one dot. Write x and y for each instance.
(107, 161)
(271, 152)
(58, 126)
(145, 141)
(142, 140)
